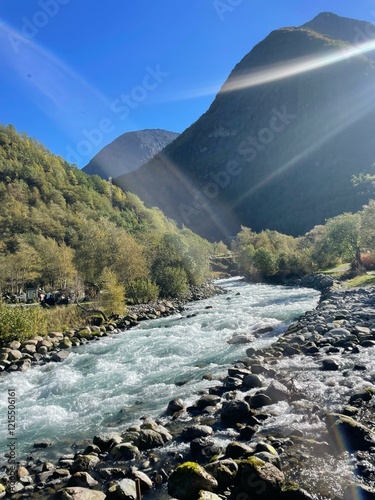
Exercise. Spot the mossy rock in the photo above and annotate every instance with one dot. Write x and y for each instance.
(259, 479)
(347, 434)
(186, 482)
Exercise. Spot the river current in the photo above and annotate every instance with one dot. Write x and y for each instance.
(110, 383)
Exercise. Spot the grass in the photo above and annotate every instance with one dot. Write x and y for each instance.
(366, 279)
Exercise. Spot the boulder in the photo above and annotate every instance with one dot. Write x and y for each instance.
(260, 400)
(330, 364)
(277, 392)
(77, 493)
(234, 411)
(175, 406)
(60, 356)
(196, 431)
(126, 490)
(14, 355)
(207, 400)
(82, 479)
(252, 381)
(237, 450)
(207, 495)
(204, 449)
(347, 434)
(260, 479)
(106, 441)
(149, 439)
(125, 452)
(186, 482)
(84, 463)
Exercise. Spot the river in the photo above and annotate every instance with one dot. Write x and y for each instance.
(112, 382)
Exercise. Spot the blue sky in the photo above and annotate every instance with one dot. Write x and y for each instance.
(77, 74)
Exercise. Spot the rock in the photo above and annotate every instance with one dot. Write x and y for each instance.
(82, 479)
(14, 345)
(359, 491)
(204, 449)
(224, 471)
(106, 441)
(294, 492)
(252, 381)
(240, 339)
(196, 431)
(257, 369)
(264, 329)
(232, 383)
(234, 411)
(347, 434)
(84, 463)
(260, 479)
(277, 392)
(206, 495)
(149, 439)
(365, 395)
(188, 480)
(260, 400)
(330, 364)
(77, 493)
(125, 452)
(42, 444)
(175, 406)
(126, 489)
(350, 411)
(60, 356)
(145, 481)
(247, 432)
(270, 458)
(14, 355)
(207, 400)
(265, 447)
(237, 450)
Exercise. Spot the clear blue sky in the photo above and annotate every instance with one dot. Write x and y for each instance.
(87, 71)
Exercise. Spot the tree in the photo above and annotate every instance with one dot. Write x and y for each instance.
(112, 293)
(367, 226)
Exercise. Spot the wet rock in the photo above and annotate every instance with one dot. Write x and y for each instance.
(252, 381)
(126, 490)
(237, 450)
(106, 441)
(14, 355)
(253, 473)
(350, 411)
(294, 492)
(196, 431)
(234, 411)
(82, 479)
(224, 471)
(207, 400)
(277, 392)
(240, 339)
(125, 452)
(247, 432)
(145, 481)
(174, 406)
(232, 383)
(204, 449)
(84, 463)
(269, 457)
(188, 480)
(206, 495)
(77, 493)
(347, 434)
(42, 444)
(365, 395)
(149, 439)
(260, 400)
(60, 356)
(330, 364)
(257, 369)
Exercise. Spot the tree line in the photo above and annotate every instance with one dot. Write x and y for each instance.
(61, 228)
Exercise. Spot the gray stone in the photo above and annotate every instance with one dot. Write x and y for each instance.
(188, 480)
(234, 411)
(196, 431)
(125, 451)
(77, 493)
(252, 381)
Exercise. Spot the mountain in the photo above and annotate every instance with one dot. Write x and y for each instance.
(280, 143)
(128, 152)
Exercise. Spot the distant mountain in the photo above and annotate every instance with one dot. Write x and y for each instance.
(128, 152)
(279, 144)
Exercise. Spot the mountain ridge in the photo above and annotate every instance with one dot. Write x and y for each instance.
(304, 171)
(128, 152)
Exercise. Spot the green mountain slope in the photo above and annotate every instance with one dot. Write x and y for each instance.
(277, 155)
(58, 224)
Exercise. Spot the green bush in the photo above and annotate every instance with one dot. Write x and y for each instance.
(142, 291)
(20, 323)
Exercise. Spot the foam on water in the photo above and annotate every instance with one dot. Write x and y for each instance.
(111, 383)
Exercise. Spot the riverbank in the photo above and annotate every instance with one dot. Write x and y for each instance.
(284, 411)
(55, 347)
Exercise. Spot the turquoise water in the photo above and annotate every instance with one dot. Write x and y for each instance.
(110, 383)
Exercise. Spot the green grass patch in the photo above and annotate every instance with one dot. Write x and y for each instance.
(362, 280)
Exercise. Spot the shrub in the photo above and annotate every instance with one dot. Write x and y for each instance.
(142, 291)
(20, 323)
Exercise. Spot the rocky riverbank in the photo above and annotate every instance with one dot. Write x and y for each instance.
(324, 449)
(56, 346)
